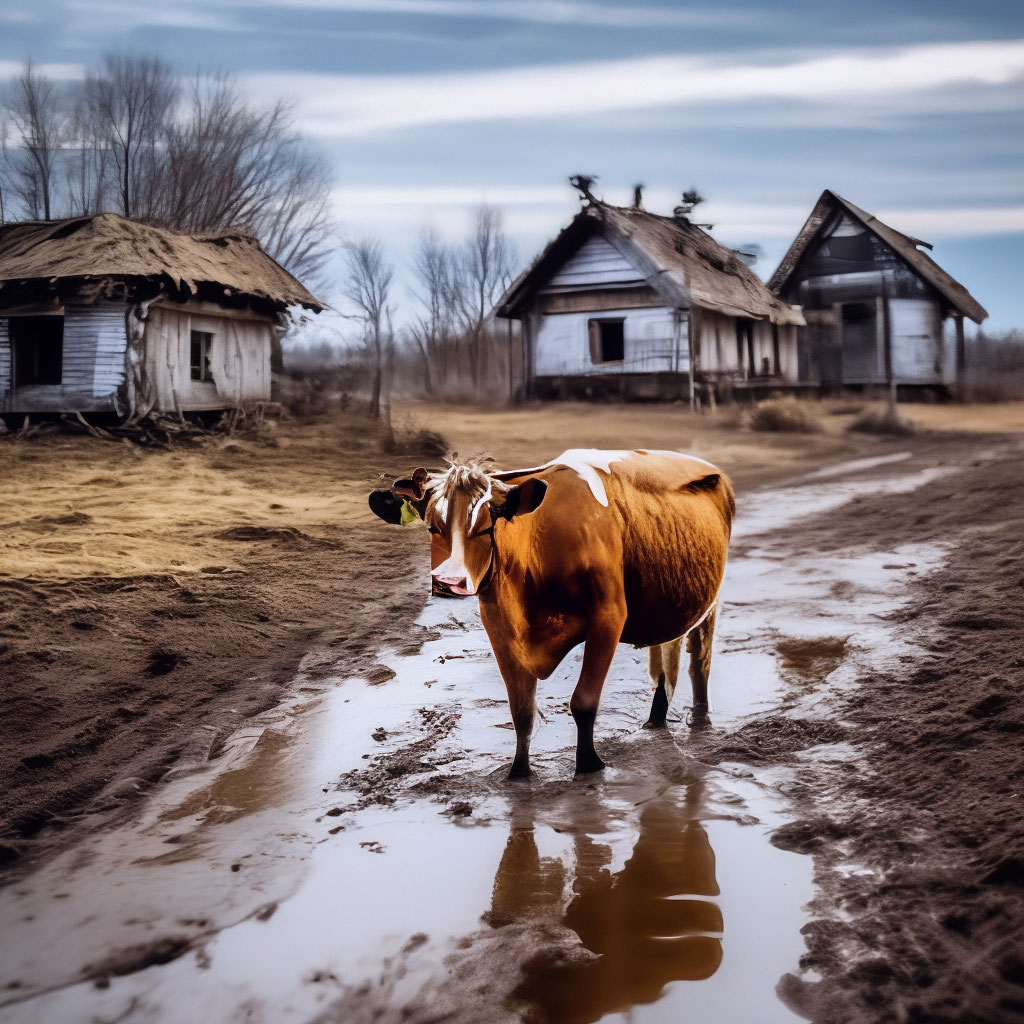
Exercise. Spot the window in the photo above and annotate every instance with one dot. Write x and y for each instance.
(201, 342)
(607, 341)
(38, 345)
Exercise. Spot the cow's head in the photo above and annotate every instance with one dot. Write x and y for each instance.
(460, 508)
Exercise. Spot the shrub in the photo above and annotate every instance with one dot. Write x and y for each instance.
(882, 421)
(785, 415)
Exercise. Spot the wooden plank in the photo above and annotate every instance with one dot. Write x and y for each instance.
(599, 300)
(5, 363)
(595, 262)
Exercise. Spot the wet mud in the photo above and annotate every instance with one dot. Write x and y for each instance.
(356, 854)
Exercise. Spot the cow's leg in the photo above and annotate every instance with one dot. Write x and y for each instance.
(602, 639)
(665, 673)
(521, 687)
(698, 643)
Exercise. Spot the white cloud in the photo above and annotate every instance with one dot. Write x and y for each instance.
(58, 72)
(562, 12)
(352, 105)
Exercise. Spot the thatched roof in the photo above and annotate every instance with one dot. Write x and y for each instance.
(905, 246)
(109, 246)
(677, 259)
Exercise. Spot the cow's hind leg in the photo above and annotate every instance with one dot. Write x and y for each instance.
(698, 643)
(664, 667)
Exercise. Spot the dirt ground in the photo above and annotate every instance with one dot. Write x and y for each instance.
(931, 929)
(151, 601)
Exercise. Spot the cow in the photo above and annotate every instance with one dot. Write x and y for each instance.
(594, 547)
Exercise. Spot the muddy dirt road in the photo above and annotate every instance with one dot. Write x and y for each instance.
(355, 853)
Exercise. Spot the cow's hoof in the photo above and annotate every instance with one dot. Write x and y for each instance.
(590, 765)
(518, 771)
(652, 723)
(698, 719)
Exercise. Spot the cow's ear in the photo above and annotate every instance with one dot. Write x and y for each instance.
(414, 487)
(520, 500)
(386, 506)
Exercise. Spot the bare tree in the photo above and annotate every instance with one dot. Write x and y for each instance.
(485, 271)
(3, 167)
(368, 287)
(192, 156)
(230, 163)
(131, 101)
(434, 267)
(87, 163)
(40, 124)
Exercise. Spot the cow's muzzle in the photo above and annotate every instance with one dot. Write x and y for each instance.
(458, 585)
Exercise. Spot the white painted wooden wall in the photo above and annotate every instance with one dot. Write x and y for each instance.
(92, 363)
(94, 348)
(596, 262)
(916, 338)
(562, 343)
(5, 363)
(239, 360)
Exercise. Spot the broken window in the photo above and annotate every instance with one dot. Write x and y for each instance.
(607, 341)
(38, 345)
(201, 342)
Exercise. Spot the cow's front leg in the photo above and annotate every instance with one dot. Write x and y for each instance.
(521, 687)
(602, 639)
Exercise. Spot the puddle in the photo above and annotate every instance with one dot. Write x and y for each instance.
(356, 853)
(770, 509)
(858, 465)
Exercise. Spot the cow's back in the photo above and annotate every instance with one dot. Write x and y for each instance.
(676, 514)
(651, 525)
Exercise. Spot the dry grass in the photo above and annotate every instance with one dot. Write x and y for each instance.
(531, 434)
(883, 421)
(80, 507)
(787, 416)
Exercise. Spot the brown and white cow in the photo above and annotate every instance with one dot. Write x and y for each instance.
(594, 547)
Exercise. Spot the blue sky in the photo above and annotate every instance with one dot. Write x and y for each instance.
(914, 111)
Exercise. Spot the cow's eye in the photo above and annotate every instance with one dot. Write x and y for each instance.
(433, 529)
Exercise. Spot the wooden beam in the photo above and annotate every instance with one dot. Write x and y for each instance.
(961, 357)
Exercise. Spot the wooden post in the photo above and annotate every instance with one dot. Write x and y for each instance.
(527, 337)
(691, 322)
(961, 358)
(511, 375)
(890, 376)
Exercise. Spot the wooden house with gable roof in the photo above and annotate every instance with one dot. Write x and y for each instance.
(103, 313)
(878, 308)
(632, 304)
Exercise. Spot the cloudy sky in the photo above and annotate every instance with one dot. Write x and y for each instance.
(912, 110)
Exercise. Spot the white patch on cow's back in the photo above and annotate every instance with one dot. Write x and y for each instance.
(586, 462)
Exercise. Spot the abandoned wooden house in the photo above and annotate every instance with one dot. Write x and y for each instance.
(632, 304)
(106, 314)
(879, 310)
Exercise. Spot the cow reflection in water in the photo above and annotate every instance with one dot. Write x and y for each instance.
(650, 924)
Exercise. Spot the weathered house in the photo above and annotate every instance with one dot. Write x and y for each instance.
(103, 313)
(878, 309)
(629, 303)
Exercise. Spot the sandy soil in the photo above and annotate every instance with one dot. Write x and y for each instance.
(151, 601)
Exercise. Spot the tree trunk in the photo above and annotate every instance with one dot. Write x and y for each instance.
(375, 392)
